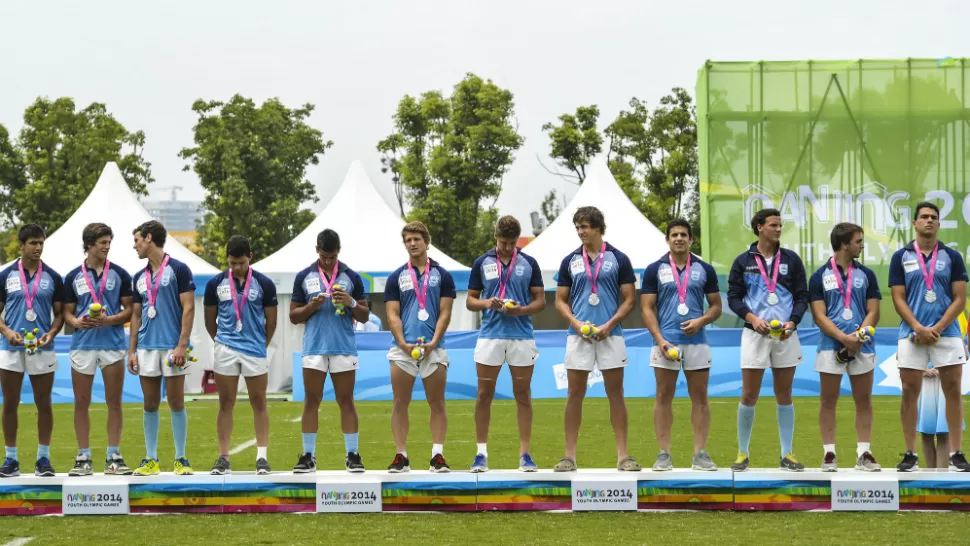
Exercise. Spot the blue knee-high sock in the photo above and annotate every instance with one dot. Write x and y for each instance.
(786, 427)
(180, 431)
(745, 424)
(11, 452)
(310, 443)
(150, 422)
(350, 442)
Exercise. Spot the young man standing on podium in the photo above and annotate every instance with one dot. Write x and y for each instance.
(240, 317)
(506, 286)
(767, 288)
(418, 297)
(929, 286)
(672, 302)
(597, 290)
(844, 295)
(328, 297)
(31, 296)
(163, 312)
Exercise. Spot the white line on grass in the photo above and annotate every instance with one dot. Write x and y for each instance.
(19, 541)
(242, 447)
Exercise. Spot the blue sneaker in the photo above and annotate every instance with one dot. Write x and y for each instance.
(10, 468)
(43, 468)
(480, 464)
(526, 464)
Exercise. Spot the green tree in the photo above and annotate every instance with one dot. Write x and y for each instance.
(576, 140)
(252, 161)
(62, 152)
(450, 155)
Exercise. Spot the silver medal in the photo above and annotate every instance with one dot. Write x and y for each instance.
(772, 298)
(847, 314)
(423, 315)
(152, 312)
(594, 299)
(30, 315)
(930, 296)
(239, 326)
(682, 309)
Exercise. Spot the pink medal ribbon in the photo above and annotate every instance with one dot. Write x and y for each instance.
(928, 273)
(682, 309)
(30, 315)
(422, 294)
(333, 277)
(846, 289)
(770, 284)
(96, 296)
(237, 303)
(594, 298)
(152, 288)
(503, 286)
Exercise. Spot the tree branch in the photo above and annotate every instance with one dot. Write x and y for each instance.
(564, 176)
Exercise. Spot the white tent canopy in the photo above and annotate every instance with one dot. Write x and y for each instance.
(370, 236)
(626, 227)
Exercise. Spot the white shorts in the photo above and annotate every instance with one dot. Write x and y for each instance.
(694, 356)
(151, 363)
(89, 361)
(495, 352)
(605, 354)
(425, 368)
(948, 351)
(39, 363)
(763, 352)
(331, 363)
(228, 361)
(825, 362)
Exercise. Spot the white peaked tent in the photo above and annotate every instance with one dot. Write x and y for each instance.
(113, 203)
(626, 227)
(370, 241)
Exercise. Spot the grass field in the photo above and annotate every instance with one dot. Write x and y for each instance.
(595, 450)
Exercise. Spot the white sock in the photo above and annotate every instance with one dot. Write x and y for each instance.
(483, 449)
(828, 448)
(952, 453)
(861, 447)
(260, 452)
(437, 449)
(404, 454)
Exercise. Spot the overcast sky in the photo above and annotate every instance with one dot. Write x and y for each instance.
(355, 60)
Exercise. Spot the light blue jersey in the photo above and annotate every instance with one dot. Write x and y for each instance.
(327, 333)
(400, 287)
(659, 279)
(823, 286)
(162, 332)
(117, 285)
(519, 278)
(748, 293)
(904, 270)
(615, 272)
(262, 294)
(49, 290)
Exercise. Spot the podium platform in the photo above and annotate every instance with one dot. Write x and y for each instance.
(422, 491)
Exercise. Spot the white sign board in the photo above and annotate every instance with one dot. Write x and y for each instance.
(593, 494)
(94, 498)
(348, 497)
(867, 494)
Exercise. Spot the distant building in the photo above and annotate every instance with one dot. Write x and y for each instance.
(175, 215)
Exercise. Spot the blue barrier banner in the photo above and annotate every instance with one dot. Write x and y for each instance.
(548, 381)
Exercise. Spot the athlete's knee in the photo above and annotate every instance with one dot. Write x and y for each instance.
(150, 405)
(486, 391)
(345, 401)
(614, 392)
(176, 404)
(749, 398)
(665, 396)
(522, 393)
(437, 406)
(82, 401)
(401, 403)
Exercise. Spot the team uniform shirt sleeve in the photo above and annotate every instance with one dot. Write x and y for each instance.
(59, 289)
(211, 298)
(565, 277)
(800, 286)
(183, 275)
(299, 295)
(69, 295)
(358, 292)
(737, 289)
(447, 285)
(475, 276)
(536, 280)
(626, 274)
(135, 294)
(958, 269)
(392, 290)
(897, 277)
(649, 283)
(711, 286)
(872, 290)
(816, 291)
(125, 279)
(269, 292)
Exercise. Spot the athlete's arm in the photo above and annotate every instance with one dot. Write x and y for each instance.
(444, 319)
(13, 337)
(538, 303)
(134, 327)
(48, 337)
(872, 313)
(925, 334)
(825, 324)
(188, 317)
(473, 302)
(648, 311)
(272, 316)
(565, 309)
(958, 291)
(628, 295)
(211, 314)
(394, 322)
(124, 316)
(714, 309)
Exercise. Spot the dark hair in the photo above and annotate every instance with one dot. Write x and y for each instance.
(761, 217)
(93, 232)
(328, 241)
(155, 229)
(591, 215)
(419, 228)
(238, 247)
(30, 231)
(679, 222)
(508, 227)
(843, 233)
(925, 205)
